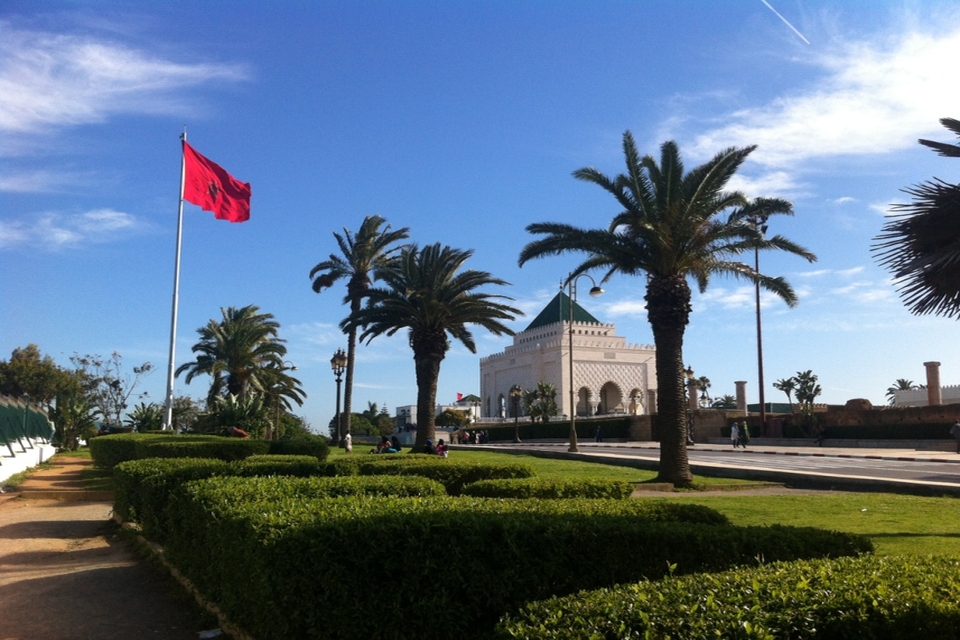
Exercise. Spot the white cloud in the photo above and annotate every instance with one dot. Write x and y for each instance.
(843, 200)
(872, 99)
(54, 231)
(50, 80)
(41, 181)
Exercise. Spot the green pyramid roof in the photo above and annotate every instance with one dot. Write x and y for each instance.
(559, 309)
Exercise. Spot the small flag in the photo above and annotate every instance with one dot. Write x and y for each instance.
(208, 186)
(459, 397)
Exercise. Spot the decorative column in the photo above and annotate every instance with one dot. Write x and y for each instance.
(741, 396)
(651, 403)
(692, 395)
(934, 396)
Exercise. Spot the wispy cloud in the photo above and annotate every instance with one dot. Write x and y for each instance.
(54, 80)
(872, 98)
(55, 231)
(42, 181)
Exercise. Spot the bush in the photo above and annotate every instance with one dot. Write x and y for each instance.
(864, 597)
(315, 446)
(278, 465)
(289, 566)
(142, 486)
(543, 488)
(109, 451)
(452, 474)
(215, 447)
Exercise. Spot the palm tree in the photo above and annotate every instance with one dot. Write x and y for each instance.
(788, 386)
(362, 255)
(425, 292)
(669, 230)
(902, 384)
(703, 383)
(242, 353)
(726, 401)
(541, 402)
(920, 243)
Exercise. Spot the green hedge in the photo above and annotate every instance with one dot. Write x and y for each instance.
(219, 448)
(143, 487)
(302, 466)
(451, 473)
(613, 428)
(315, 446)
(288, 567)
(109, 451)
(865, 597)
(544, 488)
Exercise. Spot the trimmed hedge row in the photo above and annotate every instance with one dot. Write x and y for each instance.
(452, 474)
(548, 488)
(282, 566)
(865, 597)
(144, 487)
(109, 451)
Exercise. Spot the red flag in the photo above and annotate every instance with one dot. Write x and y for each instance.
(459, 397)
(208, 186)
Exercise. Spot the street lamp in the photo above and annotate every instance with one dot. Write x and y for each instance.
(572, 299)
(760, 223)
(515, 394)
(338, 363)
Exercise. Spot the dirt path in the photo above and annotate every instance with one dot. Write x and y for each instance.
(66, 574)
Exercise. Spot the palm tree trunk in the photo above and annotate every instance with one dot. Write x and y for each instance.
(348, 381)
(428, 374)
(668, 309)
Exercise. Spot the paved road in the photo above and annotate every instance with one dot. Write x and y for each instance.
(932, 472)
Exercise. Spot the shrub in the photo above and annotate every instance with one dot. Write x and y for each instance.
(290, 563)
(864, 597)
(278, 465)
(315, 446)
(133, 500)
(544, 488)
(216, 447)
(452, 474)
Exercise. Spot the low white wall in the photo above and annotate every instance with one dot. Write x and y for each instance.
(23, 460)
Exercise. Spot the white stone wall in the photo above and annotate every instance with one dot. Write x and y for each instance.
(606, 369)
(950, 394)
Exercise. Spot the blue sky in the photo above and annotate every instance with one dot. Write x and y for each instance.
(462, 121)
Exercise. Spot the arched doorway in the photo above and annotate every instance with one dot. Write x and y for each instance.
(611, 399)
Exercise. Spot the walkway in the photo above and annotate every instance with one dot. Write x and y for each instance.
(66, 574)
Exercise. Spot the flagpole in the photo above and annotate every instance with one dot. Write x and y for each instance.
(168, 405)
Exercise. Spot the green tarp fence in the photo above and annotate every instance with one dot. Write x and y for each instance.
(21, 425)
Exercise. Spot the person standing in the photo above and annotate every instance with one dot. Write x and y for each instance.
(955, 432)
(735, 434)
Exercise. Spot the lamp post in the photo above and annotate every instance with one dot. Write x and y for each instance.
(691, 401)
(515, 394)
(760, 223)
(572, 299)
(338, 363)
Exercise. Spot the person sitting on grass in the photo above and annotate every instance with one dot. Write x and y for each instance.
(441, 448)
(429, 448)
(234, 432)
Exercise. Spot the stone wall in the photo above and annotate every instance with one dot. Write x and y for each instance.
(945, 413)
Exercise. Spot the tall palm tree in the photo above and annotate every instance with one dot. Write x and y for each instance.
(788, 386)
(242, 353)
(362, 255)
(703, 384)
(425, 292)
(920, 243)
(669, 230)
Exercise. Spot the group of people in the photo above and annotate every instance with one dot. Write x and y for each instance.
(739, 434)
(392, 445)
(462, 436)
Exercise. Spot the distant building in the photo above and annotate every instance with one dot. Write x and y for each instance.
(609, 375)
(468, 405)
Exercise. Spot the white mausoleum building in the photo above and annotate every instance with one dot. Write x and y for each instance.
(609, 375)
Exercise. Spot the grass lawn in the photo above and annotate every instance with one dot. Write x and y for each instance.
(897, 524)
